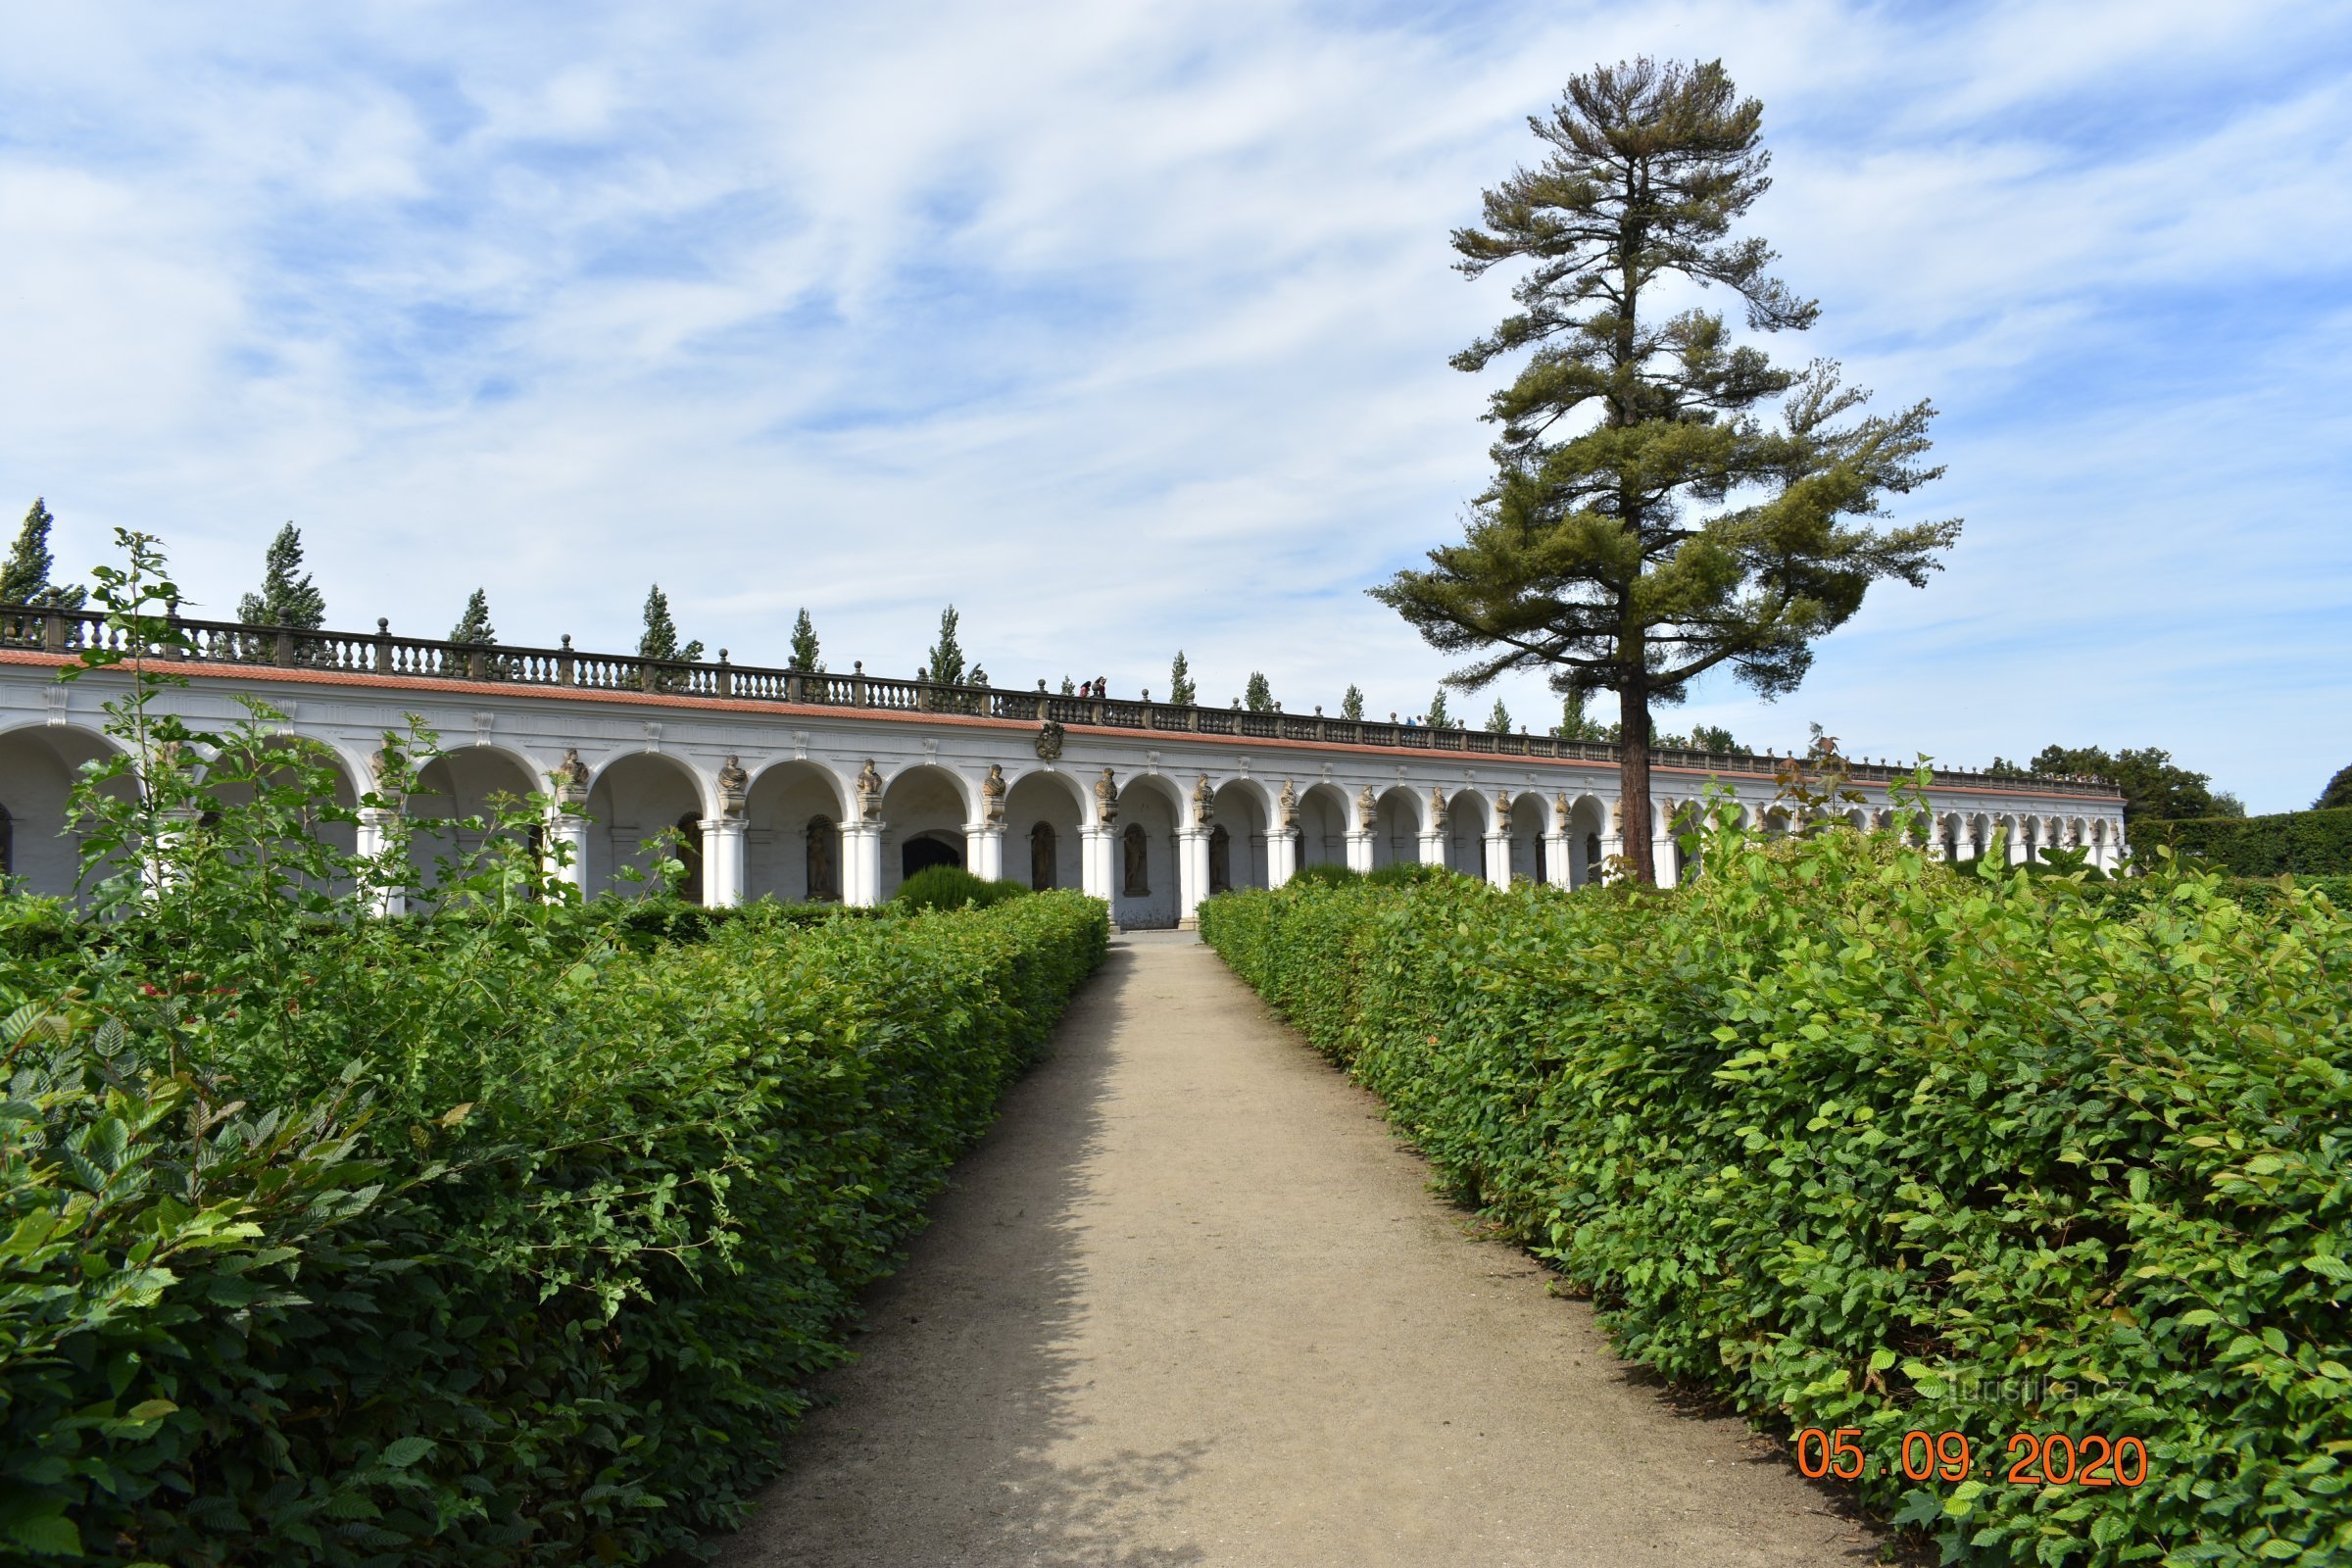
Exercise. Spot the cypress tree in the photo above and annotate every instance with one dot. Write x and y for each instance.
(1257, 696)
(946, 665)
(25, 579)
(1180, 690)
(1575, 723)
(473, 627)
(1676, 531)
(1069, 687)
(1437, 716)
(288, 598)
(1351, 706)
(803, 646)
(660, 638)
(1500, 720)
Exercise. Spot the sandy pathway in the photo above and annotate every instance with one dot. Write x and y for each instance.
(1191, 1303)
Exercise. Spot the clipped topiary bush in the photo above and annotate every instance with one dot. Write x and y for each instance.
(952, 887)
(1325, 874)
(1864, 1145)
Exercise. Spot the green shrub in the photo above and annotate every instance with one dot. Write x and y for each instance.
(494, 1238)
(1865, 1145)
(952, 887)
(1325, 874)
(1407, 874)
(2305, 843)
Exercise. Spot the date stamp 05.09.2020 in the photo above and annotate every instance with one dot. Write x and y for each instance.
(2030, 1459)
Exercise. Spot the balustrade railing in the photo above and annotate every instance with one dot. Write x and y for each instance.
(44, 630)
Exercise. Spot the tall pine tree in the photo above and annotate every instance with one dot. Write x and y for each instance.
(803, 646)
(287, 598)
(1257, 696)
(1351, 706)
(1439, 719)
(1498, 721)
(1645, 524)
(25, 579)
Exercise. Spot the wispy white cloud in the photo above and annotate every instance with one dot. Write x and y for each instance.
(1124, 327)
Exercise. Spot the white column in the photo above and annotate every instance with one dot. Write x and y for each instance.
(1432, 847)
(1559, 869)
(2116, 849)
(1661, 851)
(1281, 855)
(1612, 845)
(567, 831)
(374, 838)
(862, 864)
(1359, 849)
(1192, 877)
(1964, 842)
(1095, 862)
(984, 848)
(2016, 845)
(722, 861)
(1498, 860)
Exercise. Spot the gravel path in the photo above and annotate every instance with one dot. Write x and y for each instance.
(1189, 1302)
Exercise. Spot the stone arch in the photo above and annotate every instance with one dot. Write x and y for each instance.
(1588, 827)
(1323, 818)
(1531, 828)
(39, 765)
(454, 788)
(635, 799)
(1397, 826)
(924, 809)
(229, 776)
(1246, 811)
(1468, 815)
(1053, 800)
(1144, 856)
(792, 815)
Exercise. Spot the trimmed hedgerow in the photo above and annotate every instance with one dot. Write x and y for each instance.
(503, 1236)
(2305, 843)
(1865, 1145)
(952, 887)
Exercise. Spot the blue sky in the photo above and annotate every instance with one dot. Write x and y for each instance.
(1124, 327)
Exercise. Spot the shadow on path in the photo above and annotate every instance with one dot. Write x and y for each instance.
(934, 1447)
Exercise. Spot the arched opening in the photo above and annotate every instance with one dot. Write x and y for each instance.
(1466, 821)
(1531, 825)
(1244, 814)
(635, 807)
(1042, 809)
(1044, 869)
(1588, 819)
(820, 863)
(1220, 860)
(453, 808)
(689, 829)
(237, 779)
(1323, 827)
(1146, 876)
(8, 847)
(924, 812)
(927, 849)
(40, 846)
(782, 859)
(1396, 828)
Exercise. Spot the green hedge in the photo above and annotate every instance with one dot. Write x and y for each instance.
(2305, 843)
(1864, 1145)
(477, 1244)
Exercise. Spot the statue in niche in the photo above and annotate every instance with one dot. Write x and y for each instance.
(1137, 882)
(1367, 808)
(1502, 811)
(1559, 805)
(383, 768)
(1048, 741)
(1286, 807)
(1107, 799)
(1436, 810)
(570, 778)
(869, 793)
(734, 787)
(1204, 803)
(1041, 857)
(991, 795)
(825, 861)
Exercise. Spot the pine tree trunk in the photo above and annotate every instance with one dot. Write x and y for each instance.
(1632, 775)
